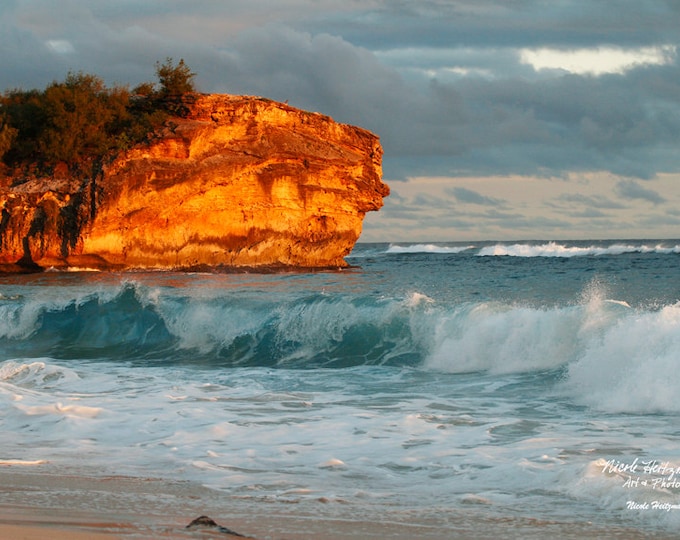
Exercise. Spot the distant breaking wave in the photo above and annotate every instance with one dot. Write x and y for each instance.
(553, 249)
(426, 248)
(549, 249)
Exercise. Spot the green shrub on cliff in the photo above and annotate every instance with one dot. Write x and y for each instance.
(81, 122)
(83, 119)
(22, 112)
(175, 79)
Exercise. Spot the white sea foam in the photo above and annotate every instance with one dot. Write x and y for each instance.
(617, 359)
(36, 373)
(505, 339)
(382, 437)
(554, 249)
(22, 462)
(418, 299)
(632, 366)
(62, 410)
(426, 248)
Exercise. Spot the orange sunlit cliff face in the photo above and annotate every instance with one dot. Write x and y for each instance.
(237, 181)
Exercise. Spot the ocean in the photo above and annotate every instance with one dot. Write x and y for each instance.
(532, 382)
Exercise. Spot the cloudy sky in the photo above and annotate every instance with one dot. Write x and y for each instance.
(500, 119)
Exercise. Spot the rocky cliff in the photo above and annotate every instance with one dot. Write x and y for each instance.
(236, 181)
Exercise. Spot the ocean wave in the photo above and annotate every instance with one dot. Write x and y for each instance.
(426, 248)
(527, 249)
(632, 366)
(554, 249)
(232, 329)
(606, 354)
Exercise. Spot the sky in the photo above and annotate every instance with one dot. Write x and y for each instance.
(500, 119)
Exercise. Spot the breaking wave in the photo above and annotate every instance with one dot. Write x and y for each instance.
(527, 249)
(426, 248)
(599, 352)
(553, 249)
(144, 323)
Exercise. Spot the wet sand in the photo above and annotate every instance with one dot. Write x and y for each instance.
(38, 504)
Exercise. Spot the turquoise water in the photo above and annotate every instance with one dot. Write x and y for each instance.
(534, 380)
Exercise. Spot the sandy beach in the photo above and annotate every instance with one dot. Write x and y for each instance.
(44, 504)
(47, 504)
(39, 504)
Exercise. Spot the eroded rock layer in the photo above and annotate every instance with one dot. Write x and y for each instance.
(238, 181)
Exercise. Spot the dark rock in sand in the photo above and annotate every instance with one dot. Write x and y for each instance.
(204, 522)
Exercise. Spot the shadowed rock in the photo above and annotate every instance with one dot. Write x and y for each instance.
(204, 522)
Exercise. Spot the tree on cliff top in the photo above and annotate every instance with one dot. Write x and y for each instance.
(175, 79)
(73, 122)
(80, 121)
(83, 118)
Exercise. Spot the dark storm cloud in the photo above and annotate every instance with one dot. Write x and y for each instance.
(469, 196)
(504, 117)
(589, 201)
(629, 189)
(442, 82)
(504, 23)
(628, 124)
(613, 122)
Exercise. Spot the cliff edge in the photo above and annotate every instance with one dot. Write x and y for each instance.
(236, 181)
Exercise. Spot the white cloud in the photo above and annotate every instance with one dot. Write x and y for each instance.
(578, 206)
(599, 60)
(60, 46)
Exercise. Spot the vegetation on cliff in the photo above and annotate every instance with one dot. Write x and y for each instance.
(80, 122)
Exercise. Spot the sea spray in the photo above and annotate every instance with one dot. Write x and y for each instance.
(632, 367)
(505, 339)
